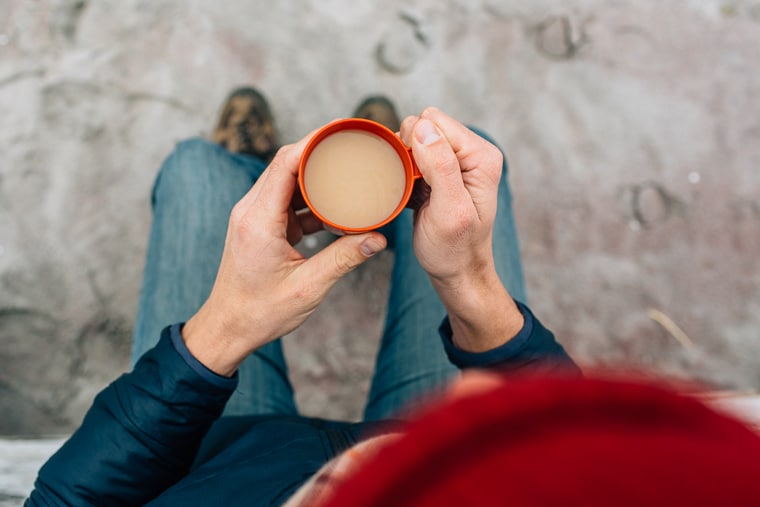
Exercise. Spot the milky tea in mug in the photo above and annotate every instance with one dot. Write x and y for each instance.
(356, 179)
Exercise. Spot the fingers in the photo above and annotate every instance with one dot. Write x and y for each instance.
(308, 222)
(293, 231)
(341, 257)
(420, 194)
(405, 132)
(298, 202)
(278, 190)
(471, 150)
(459, 136)
(301, 223)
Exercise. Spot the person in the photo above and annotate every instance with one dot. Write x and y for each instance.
(207, 414)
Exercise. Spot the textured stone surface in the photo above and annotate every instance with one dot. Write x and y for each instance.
(631, 127)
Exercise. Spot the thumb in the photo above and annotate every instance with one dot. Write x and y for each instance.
(343, 256)
(437, 163)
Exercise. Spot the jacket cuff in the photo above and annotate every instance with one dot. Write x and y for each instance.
(504, 353)
(230, 383)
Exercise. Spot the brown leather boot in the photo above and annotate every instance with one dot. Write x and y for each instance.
(246, 125)
(380, 109)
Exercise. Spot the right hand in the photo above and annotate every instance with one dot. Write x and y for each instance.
(453, 229)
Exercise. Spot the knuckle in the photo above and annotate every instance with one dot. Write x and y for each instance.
(462, 219)
(344, 262)
(242, 229)
(304, 293)
(496, 164)
(458, 223)
(444, 161)
(495, 156)
(281, 155)
(284, 150)
(278, 158)
(237, 215)
(441, 163)
(240, 225)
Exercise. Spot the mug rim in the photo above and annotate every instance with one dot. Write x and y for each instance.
(371, 127)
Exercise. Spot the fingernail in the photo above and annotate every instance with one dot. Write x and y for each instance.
(426, 133)
(371, 246)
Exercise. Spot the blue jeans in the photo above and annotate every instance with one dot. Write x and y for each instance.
(195, 191)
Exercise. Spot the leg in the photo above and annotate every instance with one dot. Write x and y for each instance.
(192, 198)
(411, 360)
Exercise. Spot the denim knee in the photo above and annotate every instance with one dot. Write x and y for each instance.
(183, 168)
(196, 147)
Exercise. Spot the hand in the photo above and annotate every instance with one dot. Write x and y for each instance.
(453, 228)
(264, 287)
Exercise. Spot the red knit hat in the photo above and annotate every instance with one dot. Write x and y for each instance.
(553, 441)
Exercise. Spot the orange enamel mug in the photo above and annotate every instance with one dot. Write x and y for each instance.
(411, 172)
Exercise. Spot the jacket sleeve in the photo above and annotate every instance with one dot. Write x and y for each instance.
(139, 437)
(533, 351)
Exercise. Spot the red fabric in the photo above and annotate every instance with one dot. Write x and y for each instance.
(548, 442)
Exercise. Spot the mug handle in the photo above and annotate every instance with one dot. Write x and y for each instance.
(416, 174)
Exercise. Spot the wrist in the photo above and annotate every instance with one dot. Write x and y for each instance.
(212, 341)
(482, 314)
(460, 271)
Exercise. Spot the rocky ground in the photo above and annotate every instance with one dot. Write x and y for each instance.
(631, 127)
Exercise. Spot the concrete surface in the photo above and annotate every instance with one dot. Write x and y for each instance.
(19, 462)
(632, 129)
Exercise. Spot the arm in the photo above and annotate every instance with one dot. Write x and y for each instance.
(140, 435)
(485, 327)
(142, 432)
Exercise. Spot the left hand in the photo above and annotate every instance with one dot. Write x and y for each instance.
(264, 287)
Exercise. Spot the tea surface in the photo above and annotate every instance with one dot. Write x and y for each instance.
(354, 178)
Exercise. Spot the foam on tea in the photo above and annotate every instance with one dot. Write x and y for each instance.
(354, 179)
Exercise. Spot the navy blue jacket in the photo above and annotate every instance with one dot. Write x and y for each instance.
(154, 436)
